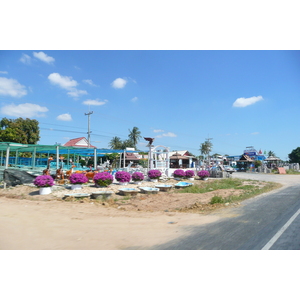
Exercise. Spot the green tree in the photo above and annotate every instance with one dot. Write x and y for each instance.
(127, 144)
(134, 135)
(294, 156)
(206, 147)
(271, 153)
(24, 131)
(115, 143)
(257, 163)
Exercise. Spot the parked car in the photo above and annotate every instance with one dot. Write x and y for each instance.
(229, 169)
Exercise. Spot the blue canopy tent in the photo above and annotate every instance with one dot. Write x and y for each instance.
(8, 147)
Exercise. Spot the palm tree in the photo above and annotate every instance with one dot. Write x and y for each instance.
(271, 153)
(115, 143)
(134, 135)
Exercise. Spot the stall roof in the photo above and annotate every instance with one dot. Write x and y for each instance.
(51, 149)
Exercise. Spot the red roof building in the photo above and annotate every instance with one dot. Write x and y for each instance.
(81, 142)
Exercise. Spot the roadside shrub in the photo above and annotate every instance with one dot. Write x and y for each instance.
(189, 173)
(103, 179)
(216, 199)
(154, 174)
(203, 173)
(43, 181)
(78, 178)
(123, 176)
(137, 176)
(179, 173)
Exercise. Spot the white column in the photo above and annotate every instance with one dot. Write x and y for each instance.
(124, 158)
(57, 157)
(16, 159)
(7, 157)
(95, 158)
(33, 157)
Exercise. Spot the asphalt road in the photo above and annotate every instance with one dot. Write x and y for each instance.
(266, 222)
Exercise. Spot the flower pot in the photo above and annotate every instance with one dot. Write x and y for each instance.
(76, 186)
(45, 190)
(191, 178)
(154, 180)
(204, 178)
(100, 186)
(178, 178)
(123, 183)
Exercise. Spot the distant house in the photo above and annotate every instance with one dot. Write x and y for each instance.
(81, 142)
(244, 163)
(180, 159)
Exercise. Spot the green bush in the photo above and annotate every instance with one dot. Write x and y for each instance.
(216, 199)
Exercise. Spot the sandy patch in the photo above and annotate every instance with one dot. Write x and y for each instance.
(32, 221)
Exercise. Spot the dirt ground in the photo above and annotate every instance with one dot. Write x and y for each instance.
(32, 221)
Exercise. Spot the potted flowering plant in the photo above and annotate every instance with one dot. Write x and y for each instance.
(190, 174)
(123, 177)
(77, 179)
(203, 174)
(154, 175)
(103, 179)
(137, 177)
(44, 182)
(179, 174)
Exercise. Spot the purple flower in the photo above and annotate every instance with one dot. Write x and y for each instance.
(189, 173)
(78, 178)
(43, 181)
(103, 179)
(123, 176)
(137, 176)
(154, 174)
(203, 173)
(179, 173)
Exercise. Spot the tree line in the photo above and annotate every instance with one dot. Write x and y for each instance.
(26, 131)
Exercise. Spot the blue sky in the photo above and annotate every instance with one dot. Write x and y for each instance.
(237, 98)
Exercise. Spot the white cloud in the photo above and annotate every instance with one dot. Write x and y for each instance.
(76, 93)
(168, 134)
(134, 99)
(64, 117)
(67, 83)
(158, 130)
(26, 110)
(95, 102)
(3, 72)
(44, 57)
(89, 81)
(119, 83)
(25, 59)
(254, 133)
(11, 87)
(243, 102)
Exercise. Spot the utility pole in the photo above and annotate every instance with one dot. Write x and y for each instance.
(89, 132)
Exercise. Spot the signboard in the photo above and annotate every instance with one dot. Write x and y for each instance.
(250, 153)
